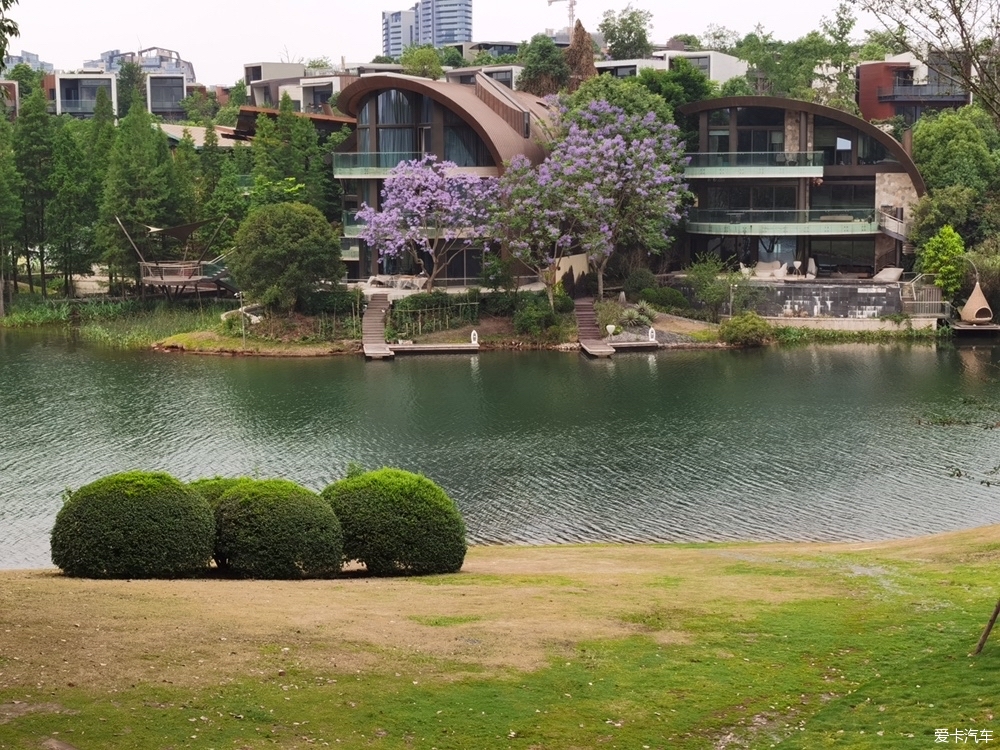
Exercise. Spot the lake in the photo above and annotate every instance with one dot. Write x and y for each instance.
(849, 442)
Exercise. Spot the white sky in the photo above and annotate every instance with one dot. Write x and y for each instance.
(219, 37)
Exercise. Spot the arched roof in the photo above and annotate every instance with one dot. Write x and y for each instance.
(893, 146)
(502, 140)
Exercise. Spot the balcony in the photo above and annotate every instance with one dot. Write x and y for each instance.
(78, 106)
(352, 225)
(940, 93)
(369, 164)
(814, 222)
(755, 164)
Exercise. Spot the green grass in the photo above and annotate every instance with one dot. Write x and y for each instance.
(881, 663)
(128, 324)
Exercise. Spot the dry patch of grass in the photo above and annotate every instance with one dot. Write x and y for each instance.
(210, 342)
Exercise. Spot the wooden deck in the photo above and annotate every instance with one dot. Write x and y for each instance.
(373, 328)
(587, 332)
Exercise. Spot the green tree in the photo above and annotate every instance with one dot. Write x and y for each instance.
(545, 68)
(942, 256)
(131, 87)
(628, 94)
(682, 84)
(879, 43)
(230, 199)
(27, 79)
(627, 33)
(72, 211)
(954, 205)
(711, 281)
(8, 27)
(421, 61)
(238, 94)
(383, 60)
(319, 63)
(485, 57)
(957, 148)
(34, 134)
(719, 38)
(450, 57)
(282, 252)
(137, 190)
(187, 175)
(738, 86)
(211, 164)
(200, 107)
(580, 57)
(228, 114)
(10, 205)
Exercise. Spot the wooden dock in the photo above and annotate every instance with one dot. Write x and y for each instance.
(634, 345)
(433, 348)
(587, 332)
(373, 328)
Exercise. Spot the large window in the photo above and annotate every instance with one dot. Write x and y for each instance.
(844, 254)
(843, 195)
(747, 198)
(835, 140)
(462, 144)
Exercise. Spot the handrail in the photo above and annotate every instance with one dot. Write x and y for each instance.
(777, 159)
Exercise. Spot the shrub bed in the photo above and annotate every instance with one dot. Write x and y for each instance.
(133, 525)
(397, 522)
(747, 329)
(274, 528)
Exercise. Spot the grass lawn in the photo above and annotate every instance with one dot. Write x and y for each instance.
(674, 646)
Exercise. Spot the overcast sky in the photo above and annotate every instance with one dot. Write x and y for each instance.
(219, 37)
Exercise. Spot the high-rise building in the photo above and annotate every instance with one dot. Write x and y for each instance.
(433, 22)
(441, 22)
(27, 58)
(398, 31)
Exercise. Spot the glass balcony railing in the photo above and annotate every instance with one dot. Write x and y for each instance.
(370, 163)
(78, 106)
(773, 159)
(945, 92)
(352, 224)
(782, 216)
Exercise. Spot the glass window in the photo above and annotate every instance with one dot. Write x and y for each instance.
(718, 141)
(718, 117)
(395, 107)
(760, 116)
(844, 253)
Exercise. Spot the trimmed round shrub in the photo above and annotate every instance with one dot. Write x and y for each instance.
(212, 490)
(397, 522)
(273, 528)
(133, 525)
(747, 329)
(665, 297)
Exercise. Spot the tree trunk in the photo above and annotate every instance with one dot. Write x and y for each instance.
(986, 633)
(41, 271)
(27, 262)
(3, 286)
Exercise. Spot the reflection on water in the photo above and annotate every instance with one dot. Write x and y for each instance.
(805, 443)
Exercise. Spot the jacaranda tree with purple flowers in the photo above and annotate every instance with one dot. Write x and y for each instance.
(612, 181)
(531, 217)
(627, 175)
(429, 209)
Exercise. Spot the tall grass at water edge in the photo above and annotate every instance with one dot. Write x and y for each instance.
(122, 324)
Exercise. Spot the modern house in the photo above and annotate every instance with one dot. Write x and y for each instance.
(902, 85)
(164, 94)
(75, 94)
(716, 66)
(505, 74)
(479, 127)
(11, 92)
(152, 61)
(799, 185)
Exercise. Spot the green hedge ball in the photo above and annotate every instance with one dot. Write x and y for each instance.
(135, 524)
(274, 528)
(396, 522)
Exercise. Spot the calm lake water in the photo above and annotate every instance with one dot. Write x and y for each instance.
(831, 443)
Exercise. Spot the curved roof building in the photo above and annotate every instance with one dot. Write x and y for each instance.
(781, 180)
(479, 126)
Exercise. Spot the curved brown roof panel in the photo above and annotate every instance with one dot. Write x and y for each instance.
(893, 146)
(503, 141)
